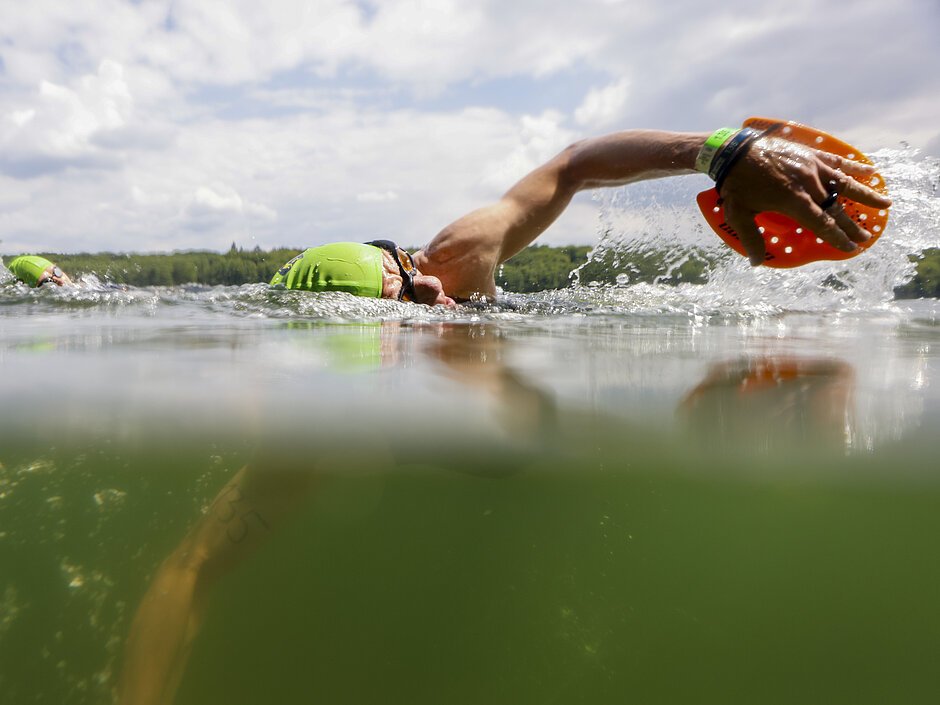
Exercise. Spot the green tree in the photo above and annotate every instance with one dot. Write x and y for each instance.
(926, 281)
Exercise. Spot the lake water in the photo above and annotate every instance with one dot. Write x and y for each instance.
(719, 493)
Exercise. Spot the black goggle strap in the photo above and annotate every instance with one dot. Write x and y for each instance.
(407, 273)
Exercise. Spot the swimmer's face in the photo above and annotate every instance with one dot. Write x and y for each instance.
(52, 274)
(427, 289)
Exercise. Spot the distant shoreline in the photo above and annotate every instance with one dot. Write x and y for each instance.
(537, 268)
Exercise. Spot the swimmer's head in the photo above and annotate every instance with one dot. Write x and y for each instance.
(341, 266)
(35, 271)
(377, 269)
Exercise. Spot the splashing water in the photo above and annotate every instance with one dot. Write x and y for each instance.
(658, 219)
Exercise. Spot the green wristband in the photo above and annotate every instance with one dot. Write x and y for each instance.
(711, 147)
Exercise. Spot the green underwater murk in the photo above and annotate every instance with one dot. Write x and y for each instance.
(590, 562)
(73, 533)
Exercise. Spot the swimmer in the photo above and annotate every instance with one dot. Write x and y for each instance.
(765, 174)
(36, 271)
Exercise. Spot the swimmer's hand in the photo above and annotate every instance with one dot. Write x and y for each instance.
(785, 177)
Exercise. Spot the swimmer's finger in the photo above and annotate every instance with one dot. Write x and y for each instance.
(839, 172)
(845, 165)
(855, 232)
(748, 235)
(824, 224)
(860, 193)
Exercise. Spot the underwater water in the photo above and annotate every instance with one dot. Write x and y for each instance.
(698, 493)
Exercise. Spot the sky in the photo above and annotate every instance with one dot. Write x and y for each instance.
(155, 125)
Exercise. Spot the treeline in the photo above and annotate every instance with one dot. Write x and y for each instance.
(541, 267)
(647, 266)
(536, 268)
(233, 268)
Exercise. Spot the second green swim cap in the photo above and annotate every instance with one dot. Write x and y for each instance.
(341, 266)
(29, 268)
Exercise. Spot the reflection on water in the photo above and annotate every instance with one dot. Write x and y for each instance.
(775, 404)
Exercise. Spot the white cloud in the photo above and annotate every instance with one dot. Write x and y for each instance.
(208, 200)
(59, 130)
(159, 125)
(20, 118)
(221, 206)
(538, 139)
(376, 196)
(602, 107)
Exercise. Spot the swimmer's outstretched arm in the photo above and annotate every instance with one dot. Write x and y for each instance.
(171, 614)
(774, 175)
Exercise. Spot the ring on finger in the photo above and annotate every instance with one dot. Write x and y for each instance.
(830, 200)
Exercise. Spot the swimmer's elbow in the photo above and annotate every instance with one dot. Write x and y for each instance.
(572, 166)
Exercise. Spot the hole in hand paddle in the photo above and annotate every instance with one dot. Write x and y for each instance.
(788, 244)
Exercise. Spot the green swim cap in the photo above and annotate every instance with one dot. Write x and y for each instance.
(29, 268)
(341, 266)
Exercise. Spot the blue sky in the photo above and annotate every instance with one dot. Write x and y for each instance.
(156, 126)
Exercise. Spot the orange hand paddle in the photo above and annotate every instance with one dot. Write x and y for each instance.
(789, 245)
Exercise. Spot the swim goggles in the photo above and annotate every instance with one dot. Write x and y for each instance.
(56, 274)
(406, 267)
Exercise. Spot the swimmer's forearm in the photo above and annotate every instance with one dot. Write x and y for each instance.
(629, 156)
(237, 522)
(489, 236)
(533, 204)
(161, 637)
